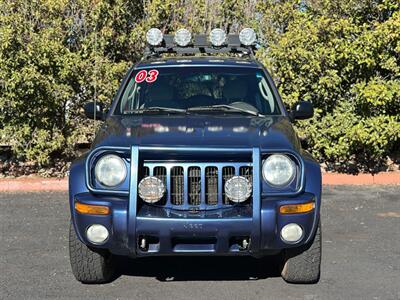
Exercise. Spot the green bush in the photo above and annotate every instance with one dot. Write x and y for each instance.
(54, 57)
(342, 55)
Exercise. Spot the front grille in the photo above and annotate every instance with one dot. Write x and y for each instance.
(227, 173)
(176, 188)
(199, 185)
(211, 185)
(194, 185)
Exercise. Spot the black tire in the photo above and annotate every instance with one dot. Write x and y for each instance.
(303, 264)
(89, 265)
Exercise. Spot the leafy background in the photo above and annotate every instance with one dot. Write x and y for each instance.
(343, 55)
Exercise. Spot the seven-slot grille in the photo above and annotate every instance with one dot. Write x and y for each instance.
(197, 185)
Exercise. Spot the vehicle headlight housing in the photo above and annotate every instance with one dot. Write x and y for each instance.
(278, 170)
(110, 170)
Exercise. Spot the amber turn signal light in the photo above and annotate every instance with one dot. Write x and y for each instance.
(91, 209)
(297, 208)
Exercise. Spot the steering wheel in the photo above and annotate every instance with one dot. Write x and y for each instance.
(200, 100)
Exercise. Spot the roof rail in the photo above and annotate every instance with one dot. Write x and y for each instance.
(199, 45)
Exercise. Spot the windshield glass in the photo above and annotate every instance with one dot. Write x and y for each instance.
(187, 88)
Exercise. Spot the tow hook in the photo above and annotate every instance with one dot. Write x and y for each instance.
(143, 245)
(244, 245)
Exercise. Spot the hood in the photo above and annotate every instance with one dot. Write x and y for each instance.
(272, 132)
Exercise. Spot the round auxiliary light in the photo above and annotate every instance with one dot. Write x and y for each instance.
(97, 234)
(291, 233)
(110, 170)
(247, 36)
(217, 37)
(278, 170)
(151, 189)
(183, 37)
(238, 189)
(154, 36)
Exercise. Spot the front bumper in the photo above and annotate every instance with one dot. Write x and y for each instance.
(216, 232)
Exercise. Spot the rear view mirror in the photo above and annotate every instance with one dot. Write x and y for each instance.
(302, 110)
(94, 111)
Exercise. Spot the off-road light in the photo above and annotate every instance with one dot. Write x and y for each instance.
(183, 37)
(238, 189)
(151, 189)
(247, 36)
(97, 234)
(154, 36)
(217, 37)
(278, 170)
(110, 170)
(291, 233)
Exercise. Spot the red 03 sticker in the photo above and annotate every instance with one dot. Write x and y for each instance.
(149, 76)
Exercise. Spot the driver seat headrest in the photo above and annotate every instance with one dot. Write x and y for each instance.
(159, 92)
(235, 90)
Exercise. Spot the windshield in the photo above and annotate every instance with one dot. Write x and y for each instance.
(184, 89)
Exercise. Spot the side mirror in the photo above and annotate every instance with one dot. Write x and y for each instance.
(94, 111)
(302, 110)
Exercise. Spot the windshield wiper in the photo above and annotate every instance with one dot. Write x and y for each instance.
(156, 109)
(224, 107)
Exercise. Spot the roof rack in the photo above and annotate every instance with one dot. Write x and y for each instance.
(199, 45)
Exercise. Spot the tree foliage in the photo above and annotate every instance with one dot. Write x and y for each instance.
(342, 55)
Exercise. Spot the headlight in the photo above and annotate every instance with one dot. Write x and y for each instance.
(278, 170)
(110, 170)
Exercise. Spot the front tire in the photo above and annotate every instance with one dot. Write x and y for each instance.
(303, 264)
(89, 265)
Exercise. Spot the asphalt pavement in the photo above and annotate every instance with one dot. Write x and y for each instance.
(361, 256)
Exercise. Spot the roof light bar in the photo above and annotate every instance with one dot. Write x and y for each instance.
(247, 36)
(183, 42)
(183, 37)
(154, 37)
(217, 37)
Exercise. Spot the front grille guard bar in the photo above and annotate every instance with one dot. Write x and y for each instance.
(202, 167)
(256, 200)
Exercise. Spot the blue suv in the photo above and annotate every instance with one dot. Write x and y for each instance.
(196, 156)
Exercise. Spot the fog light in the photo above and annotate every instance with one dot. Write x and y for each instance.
(151, 189)
(238, 189)
(291, 233)
(97, 234)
